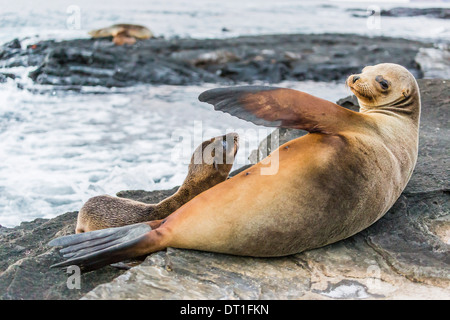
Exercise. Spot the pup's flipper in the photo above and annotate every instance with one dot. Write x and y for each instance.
(280, 107)
(93, 250)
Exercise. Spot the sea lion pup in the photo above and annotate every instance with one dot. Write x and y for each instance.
(331, 183)
(210, 164)
(123, 33)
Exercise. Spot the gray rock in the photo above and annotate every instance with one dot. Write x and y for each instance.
(270, 58)
(405, 255)
(434, 62)
(440, 13)
(185, 274)
(278, 137)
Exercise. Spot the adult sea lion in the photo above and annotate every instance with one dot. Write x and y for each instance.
(210, 164)
(123, 33)
(331, 183)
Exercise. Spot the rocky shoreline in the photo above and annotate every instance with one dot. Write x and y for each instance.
(439, 13)
(71, 64)
(405, 255)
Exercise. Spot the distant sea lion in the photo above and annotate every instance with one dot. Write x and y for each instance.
(123, 33)
(331, 183)
(210, 164)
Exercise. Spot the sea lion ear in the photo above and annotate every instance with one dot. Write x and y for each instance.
(279, 107)
(406, 93)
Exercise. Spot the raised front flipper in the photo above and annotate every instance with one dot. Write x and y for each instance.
(93, 250)
(280, 107)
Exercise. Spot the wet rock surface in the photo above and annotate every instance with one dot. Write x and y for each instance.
(439, 13)
(25, 259)
(405, 255)
(434, 63)
(270, 58)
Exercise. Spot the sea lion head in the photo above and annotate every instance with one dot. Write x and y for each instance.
(102, 33)
(211, 162)
(383, 85)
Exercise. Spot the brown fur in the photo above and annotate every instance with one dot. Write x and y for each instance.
(330, 185)
(105, 211)
(123, 33)
(122, 38)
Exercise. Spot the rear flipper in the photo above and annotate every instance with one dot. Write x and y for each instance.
(93, 250)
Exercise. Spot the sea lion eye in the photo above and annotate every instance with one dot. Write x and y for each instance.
(383, 83)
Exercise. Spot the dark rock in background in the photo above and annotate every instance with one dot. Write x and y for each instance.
(268, 58)
(440, 13)
(405, 255)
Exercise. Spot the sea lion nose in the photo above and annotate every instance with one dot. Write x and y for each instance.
(356, 78)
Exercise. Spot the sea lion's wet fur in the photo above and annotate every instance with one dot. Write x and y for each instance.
(105, 211)
(330, 184)
(123, 33)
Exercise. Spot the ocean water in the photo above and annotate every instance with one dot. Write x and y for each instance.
(57, 149)
(62, 19)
